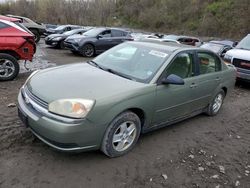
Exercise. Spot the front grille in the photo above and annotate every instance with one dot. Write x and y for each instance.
(34, 98)
(241, 64)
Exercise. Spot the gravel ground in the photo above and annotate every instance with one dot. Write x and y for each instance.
(200, 152)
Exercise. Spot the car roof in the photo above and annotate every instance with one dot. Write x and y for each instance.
(11, 19)
(171, 46)
(223, 42)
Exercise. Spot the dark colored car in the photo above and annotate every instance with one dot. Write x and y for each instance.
(57, 40)
(61, 29)
(130, 89)
(97, 40)
(193, 41)
(219, 47)
(36, 28)
(16, 43)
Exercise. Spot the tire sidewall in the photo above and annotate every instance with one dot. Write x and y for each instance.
(107, 145)
(16, 66)
(211, 112)
(84, 48)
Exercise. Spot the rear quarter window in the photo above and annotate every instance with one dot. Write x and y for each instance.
(3, 25)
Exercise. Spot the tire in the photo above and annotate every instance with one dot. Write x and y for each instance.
(37, 35)
(88, 50)
(61, 45)
(216, 104)
(9, 67)
(126, 129)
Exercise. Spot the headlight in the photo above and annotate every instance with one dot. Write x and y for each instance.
(57, 38)
(74, 108)
(228, 58)
(77, 40)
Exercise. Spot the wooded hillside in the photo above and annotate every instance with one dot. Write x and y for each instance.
(220, 18)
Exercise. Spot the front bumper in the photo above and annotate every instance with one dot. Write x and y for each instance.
(77, 136)
(51, 42)
(243, 74)
(71, 46)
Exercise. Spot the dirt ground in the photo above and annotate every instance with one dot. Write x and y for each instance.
(199, 152)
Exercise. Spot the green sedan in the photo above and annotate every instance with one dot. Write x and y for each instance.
(131, 89)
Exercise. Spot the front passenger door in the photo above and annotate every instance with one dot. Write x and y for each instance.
(173, 101)
(104, 42)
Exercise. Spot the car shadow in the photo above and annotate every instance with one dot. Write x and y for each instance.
(243, 84)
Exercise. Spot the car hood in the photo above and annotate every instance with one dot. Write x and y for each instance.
(239, 54)
(78, 81)
(57, 35)
(77, 36)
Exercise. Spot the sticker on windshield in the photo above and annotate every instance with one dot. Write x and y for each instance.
(158, 54)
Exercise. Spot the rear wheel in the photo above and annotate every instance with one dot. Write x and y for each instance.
(122, 134)
(37, 35)
(216, 104)
(88, 50)
(9, 67)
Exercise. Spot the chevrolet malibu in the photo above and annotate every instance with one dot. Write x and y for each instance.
(130, 89)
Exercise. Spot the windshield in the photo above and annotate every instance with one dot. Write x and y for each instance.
(214, 47)
(173, 37)
(93, 32)
(244, 43)
(72, 32)
(134, 61)
(60, 27)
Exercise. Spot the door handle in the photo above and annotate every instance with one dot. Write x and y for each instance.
(193, 85)
(218, 79)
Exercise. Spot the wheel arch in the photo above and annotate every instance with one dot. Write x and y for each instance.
(224, 89)
(12, 53)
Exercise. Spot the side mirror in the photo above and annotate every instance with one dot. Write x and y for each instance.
(99, 37)
(173, 79)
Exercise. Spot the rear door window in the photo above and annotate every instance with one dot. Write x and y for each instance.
(208, 63)
(117, 33)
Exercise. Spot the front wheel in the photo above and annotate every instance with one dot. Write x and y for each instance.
(216, 104)
(9, 67)
(88, 50)
(122, 134)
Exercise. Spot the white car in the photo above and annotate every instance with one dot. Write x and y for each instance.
(240, 58)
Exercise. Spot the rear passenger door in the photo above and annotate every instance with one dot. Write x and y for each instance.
(209, 78)
(118, 36)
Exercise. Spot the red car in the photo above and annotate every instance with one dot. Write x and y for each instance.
(16, 43)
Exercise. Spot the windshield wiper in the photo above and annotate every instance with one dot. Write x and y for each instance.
(94, 64)
(241, 48)
(118, 73)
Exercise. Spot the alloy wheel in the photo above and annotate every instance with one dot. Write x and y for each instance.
(7, 68)
(124, 136)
